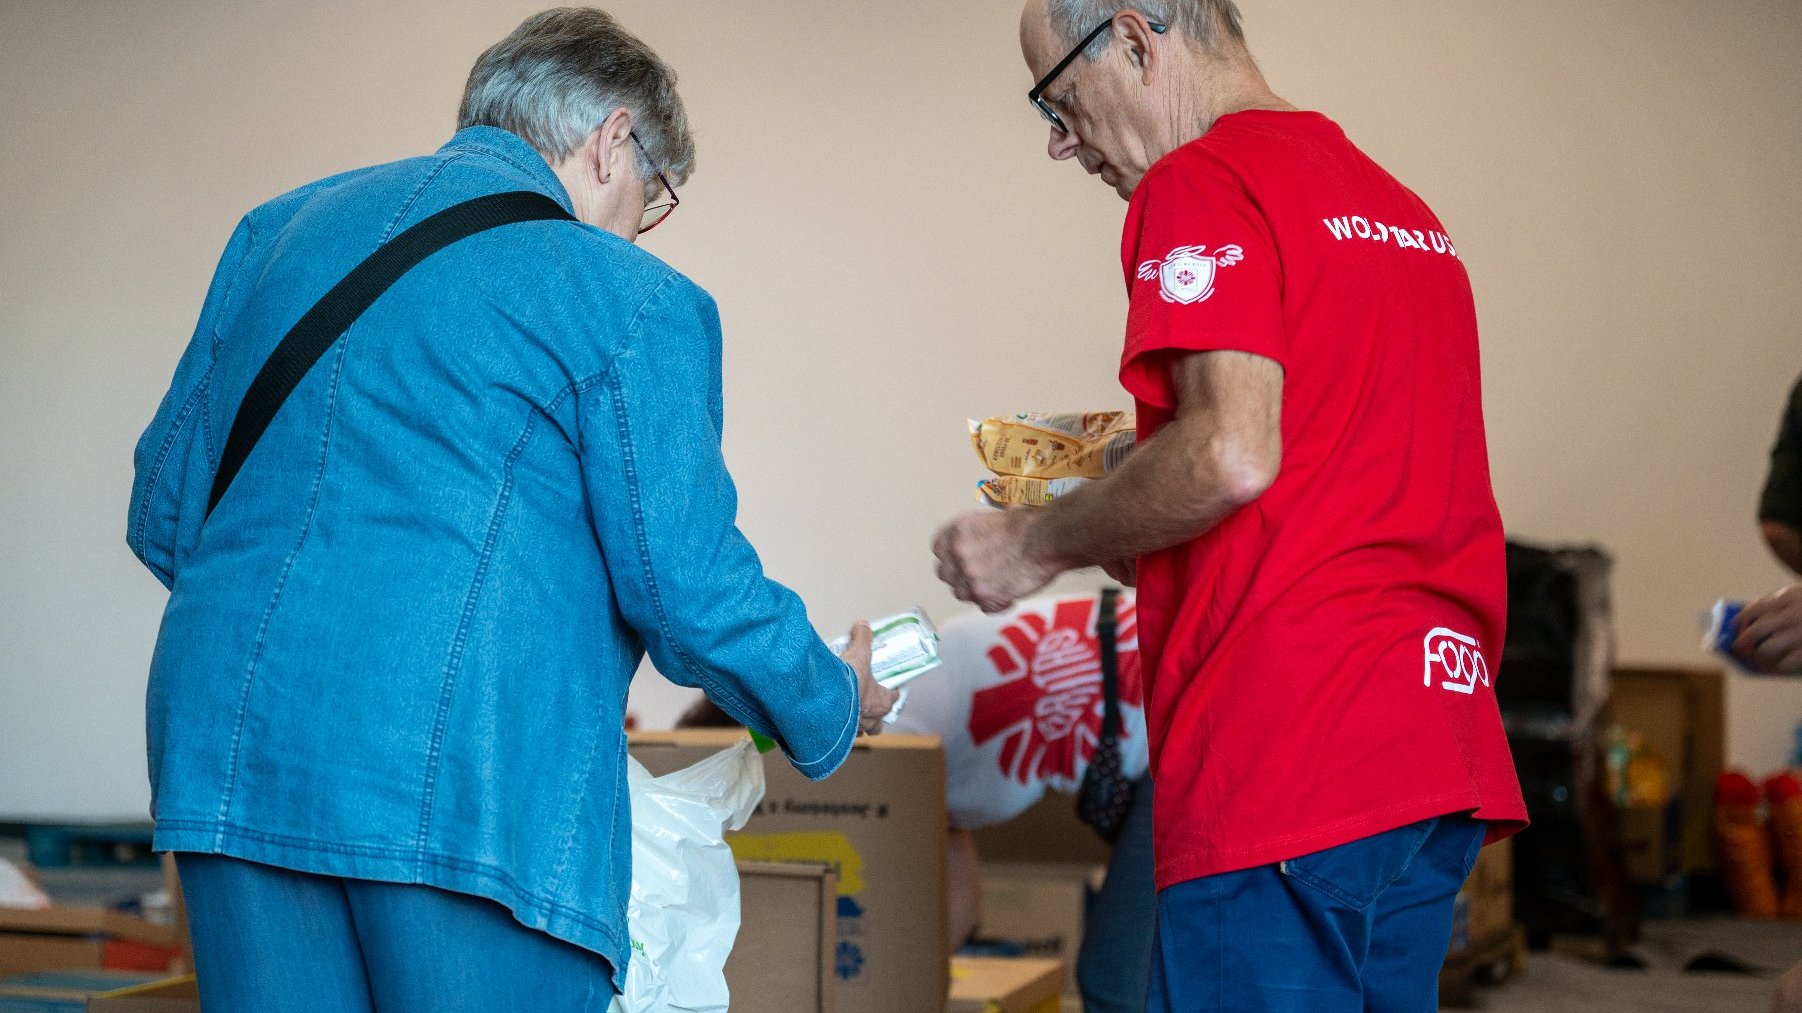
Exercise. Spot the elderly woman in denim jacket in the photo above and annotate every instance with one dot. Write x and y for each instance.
(387, 699)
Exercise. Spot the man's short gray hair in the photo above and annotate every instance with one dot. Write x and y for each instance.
(563, 72)
(1201, 20)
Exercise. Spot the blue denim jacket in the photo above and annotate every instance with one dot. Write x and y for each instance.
(400, 647)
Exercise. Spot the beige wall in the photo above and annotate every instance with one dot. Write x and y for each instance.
(892, 252)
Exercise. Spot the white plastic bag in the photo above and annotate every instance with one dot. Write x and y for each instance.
(683, 911)
(18, 891)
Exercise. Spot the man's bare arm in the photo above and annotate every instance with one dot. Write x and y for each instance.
(1220, 453)
(1786, 542)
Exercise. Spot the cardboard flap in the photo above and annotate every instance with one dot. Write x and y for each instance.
(86, 921)
(171, 995)
(782, 961)
(1012, 986)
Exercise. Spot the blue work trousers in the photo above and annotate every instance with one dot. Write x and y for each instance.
(1361, 927)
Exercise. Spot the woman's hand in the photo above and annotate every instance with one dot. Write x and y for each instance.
(873, 700)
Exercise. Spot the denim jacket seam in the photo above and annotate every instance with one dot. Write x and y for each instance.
(250, 242)
(275, 597)
(574, 388)
(548, 410)
(217, 339)
(206, 420)
(502, 155)
(566, 831)
(703, 674)
(453, 664)
(622, 760)
(406, 206)
(141, 523)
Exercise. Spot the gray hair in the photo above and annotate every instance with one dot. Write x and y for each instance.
(563, 72)
(1200, 20)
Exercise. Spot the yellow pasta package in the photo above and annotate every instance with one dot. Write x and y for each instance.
(1043, 445)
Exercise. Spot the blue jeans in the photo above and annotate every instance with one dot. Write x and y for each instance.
(1114, 964)
(1361, 927)
(268, 940)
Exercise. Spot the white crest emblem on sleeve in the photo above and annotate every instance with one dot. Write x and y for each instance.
(1186, 275)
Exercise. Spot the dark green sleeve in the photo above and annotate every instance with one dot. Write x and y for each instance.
(1782, 500)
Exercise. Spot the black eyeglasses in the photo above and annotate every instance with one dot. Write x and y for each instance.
(1037, 95)
(657, 211)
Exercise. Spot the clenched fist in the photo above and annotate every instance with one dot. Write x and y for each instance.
(985, 558)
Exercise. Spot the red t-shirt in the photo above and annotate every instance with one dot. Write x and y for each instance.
(1321, 664)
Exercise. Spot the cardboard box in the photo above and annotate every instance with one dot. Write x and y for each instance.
(1649, 842)
(1491, 892)
(173, 995)
(997, 985)
(1706, 702)
(1038, 907)
(72, 938)
(879, 823)
(783, 959)
(1680, 714)
(20, 953)
(1050, 832)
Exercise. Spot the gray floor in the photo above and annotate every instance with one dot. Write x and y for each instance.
(1555, 983)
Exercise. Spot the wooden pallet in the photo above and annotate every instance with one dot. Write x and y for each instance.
(1488, 962)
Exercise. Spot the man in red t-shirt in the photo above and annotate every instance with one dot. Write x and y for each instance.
(1318, 551)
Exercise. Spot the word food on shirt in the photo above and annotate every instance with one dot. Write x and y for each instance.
(1460, 659)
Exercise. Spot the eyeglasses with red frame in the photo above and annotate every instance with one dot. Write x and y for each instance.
(658, 210)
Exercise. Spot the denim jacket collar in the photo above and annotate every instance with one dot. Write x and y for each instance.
(493, 142)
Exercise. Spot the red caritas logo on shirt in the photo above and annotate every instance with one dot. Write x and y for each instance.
(1187, 274)
(1048, 707)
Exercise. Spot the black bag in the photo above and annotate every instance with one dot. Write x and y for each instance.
(321, 327)
(1106, 793)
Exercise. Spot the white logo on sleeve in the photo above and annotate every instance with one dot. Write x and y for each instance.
(1187, 274)
(1460, 659)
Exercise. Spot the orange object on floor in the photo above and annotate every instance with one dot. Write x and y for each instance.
(1745, 847)
(1784, 792)
(129, 955)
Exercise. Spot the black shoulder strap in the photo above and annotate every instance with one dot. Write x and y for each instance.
(1107, 631)
(316, 332)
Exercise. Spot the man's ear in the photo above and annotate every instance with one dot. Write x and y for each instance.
(611, 144)
(1138, 42)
